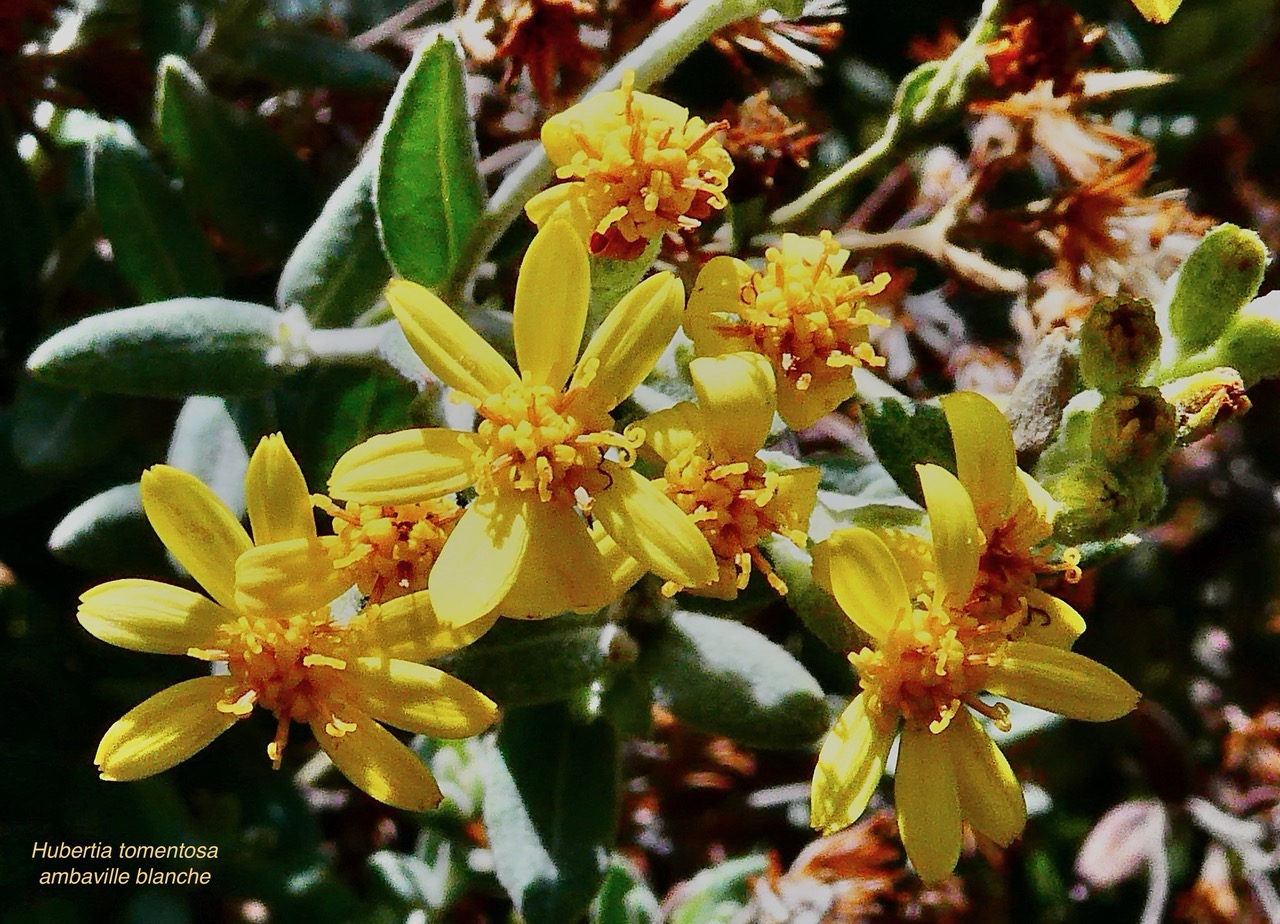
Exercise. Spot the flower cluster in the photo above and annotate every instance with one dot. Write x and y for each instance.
(562, 495)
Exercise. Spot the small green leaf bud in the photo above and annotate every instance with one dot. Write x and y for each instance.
(1118, 343)
(1220, 276)
(1133, 432)
(1205, 401)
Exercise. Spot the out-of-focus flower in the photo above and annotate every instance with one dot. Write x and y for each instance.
(799, 312)
(281, 648)
(763, 143)
(858, 876)
(544, 37)
(931, 658)
(1040, 41)
(540, 457)
(639, 166)
(1158, 10)
(714, 475)
(1111, 238)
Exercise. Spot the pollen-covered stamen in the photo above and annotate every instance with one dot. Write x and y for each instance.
(533, 438)
(643, 174)
(809, 320)
(1010, 565)
(292, 666)
(388, 550)
(932, 664)
(734, 506)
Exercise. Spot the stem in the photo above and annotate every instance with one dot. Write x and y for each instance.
(651, 60)
(862, 163)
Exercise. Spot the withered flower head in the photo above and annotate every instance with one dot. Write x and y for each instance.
(763, 143)
(545, 38)
(1041, 41)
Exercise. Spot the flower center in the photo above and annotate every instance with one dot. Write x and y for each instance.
(533, 439)
(643, 176)
(389, 550)
(931, 664)
(288, 665)
(1008, 569)
(734, 507)
(809, 320)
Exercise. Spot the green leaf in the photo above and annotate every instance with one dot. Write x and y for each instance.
(715, 895)
(611, 279)
(157, 244)
(207, 443)
(295, 58)
(427, 190)
(520, 662)
(175, 348)
(551, 809)
(60, 431)
(625, 898)
(719, 676)
(109, 534)
(237, 172)
(905, 434)
(1220, 276)
(338, 270)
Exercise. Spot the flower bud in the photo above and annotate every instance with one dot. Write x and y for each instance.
(1098, 503)
(1133, 432)
(1252, 343)
(1205, 401)
(1220, 276)
(1118, 343)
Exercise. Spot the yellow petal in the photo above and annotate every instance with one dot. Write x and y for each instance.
(1033, 494)
(717, 293)
(371, 758)
(480, 560)
(800, 410)
(914, 557)
(627, 345)
(562, 569)
(150, 616)
(850, 765)
(1061, 681)
(164, 730)
(737, 396)
(865, 580)
(928, 804)
(669, 432)
(652, 529)
(563, 202)
(986, 460)
(990, 796)
(407, 627)
(403, 467)
(552, 292)
(623, 570)
(1053, 622)
(276, 494)
(797, 496)
(957, 541)
(203, 535)
(1160, 11)
(288, 579)
(421, 699)
(446, 343)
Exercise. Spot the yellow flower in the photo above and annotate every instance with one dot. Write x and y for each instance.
(809, 321)
(639, 165)
(388, 550)
(1157, 10)
(1015, 515)
(930, 660)
(715, 476)
(281, 648)
(541, 456)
